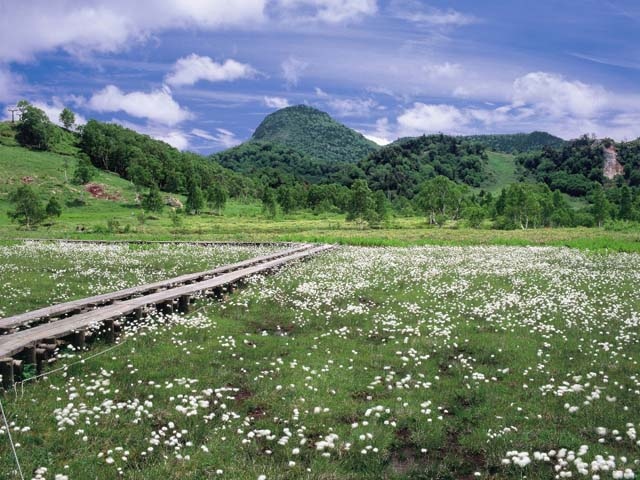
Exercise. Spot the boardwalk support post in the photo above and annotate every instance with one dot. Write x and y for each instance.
(166, 308)
(183, 303)
(78, 339)
(6, 370)
(109, 331)
(29, 354)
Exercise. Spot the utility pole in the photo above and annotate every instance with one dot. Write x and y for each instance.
(13, 110)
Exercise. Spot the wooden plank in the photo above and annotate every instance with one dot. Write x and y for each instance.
(14, 343)
(9, 323)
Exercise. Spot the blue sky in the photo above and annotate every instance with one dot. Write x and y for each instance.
(201, 74)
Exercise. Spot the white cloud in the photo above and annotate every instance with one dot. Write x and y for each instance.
(382, 134)
(535, 101)
(328, 11)
(226, 138)
(276, 102)
(202, 134)
(445, 70)
(554, 95)
(321, 93)
(10, 85)
(423, 118)
(175, 138)
(346, 107)
(193, 68)
(54, 109)
(292, 69)
(157, 105)
(378, 140)
(84, 26)
(222, 138)
(414, 11)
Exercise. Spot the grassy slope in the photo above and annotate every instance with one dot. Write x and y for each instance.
(47, 171)
(502, 171)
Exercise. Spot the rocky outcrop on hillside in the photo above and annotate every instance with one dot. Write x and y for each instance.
(612, 167)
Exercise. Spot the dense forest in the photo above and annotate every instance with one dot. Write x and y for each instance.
(314, 133)
(275, 164)
(148, 162)
(518, 142)
(399, 169)
(577, 167)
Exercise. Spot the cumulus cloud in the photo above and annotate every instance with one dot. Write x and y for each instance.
(81, 27)
(157, 105)
(292, 70)
(276, 102)
(347, 107)
(553, 94)
(175, 138)
(381, 133)
(535, 101)
(377, 140)
(193, 68)
(54, 108)
(425, 118)
(328, 11)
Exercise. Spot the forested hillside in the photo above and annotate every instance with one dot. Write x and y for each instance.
(148, 162)
(399, 169)
(579, 165)
(274, 163)
(518, 142)
(314, 133)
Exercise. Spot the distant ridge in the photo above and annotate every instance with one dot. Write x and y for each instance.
(314, 133)
(518, 142)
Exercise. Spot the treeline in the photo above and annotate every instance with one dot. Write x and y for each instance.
(273, 164)
(151, 163)
(400, 168)
(519, 205)
(518, 142)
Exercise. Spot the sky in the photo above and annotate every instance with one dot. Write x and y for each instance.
(202, 74)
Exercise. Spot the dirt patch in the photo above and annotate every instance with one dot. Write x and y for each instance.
(612, 167)
(406, 456)
(27, 180)
(99, 191)
(257, 412)
(242, 395)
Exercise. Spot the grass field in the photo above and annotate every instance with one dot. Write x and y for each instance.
(423, 362)
(35, 274)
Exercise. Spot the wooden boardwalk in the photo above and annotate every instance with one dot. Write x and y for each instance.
(36, 344)
(10, 324)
